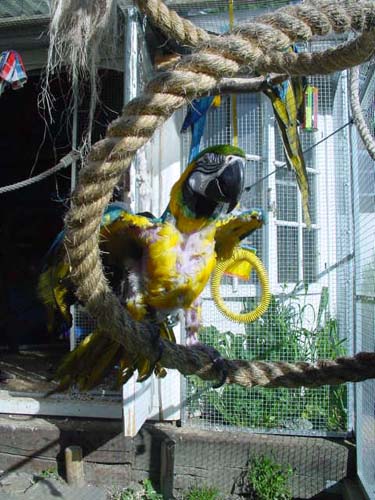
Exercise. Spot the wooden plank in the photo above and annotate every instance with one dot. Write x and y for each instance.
(204, 457)
(12, 463)
(311, 458)
(113, 475)
(59, 406)
(137, 405)
(101, 440)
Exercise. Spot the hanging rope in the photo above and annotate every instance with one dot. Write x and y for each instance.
(252, 46)
(358, 117)
(63, 163)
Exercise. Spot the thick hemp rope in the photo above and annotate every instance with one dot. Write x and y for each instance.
(257, 47)
(295, 23)
(358, 117)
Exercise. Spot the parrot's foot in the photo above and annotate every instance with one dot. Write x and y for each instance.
(219, 366)
(146, 367)
(217, 361)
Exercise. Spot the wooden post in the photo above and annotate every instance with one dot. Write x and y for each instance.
(74, 466)
(167, 468)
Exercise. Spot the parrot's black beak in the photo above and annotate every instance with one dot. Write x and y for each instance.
(228, 186)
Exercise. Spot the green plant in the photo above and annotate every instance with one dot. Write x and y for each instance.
(203, 493)
(290, 330)
(50, 473)
(268, 480)
(146, 492)
(150, 493)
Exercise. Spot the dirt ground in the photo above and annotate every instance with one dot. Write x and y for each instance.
(31, 370)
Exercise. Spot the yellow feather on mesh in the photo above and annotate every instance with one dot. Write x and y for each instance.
(216, 101)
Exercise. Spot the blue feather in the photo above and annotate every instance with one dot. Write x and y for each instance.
(196, 119)
(113, 212)
(196, 110)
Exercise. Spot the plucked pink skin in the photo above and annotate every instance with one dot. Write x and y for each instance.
(193, 321)
(194, 251)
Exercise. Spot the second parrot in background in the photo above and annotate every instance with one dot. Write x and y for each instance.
(287, 102)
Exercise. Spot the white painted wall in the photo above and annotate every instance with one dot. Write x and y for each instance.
(157, 168)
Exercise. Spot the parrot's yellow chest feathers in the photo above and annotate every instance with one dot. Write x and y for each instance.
(177, 267)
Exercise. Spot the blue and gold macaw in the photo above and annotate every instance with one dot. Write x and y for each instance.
(157, 266)
(287, 103)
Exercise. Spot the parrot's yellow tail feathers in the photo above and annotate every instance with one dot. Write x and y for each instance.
(97, 354)
(89, 363)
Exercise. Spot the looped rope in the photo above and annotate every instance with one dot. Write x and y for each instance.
(358, 118)
(193, 76)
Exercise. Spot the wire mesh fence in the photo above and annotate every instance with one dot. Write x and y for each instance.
(310, 269)
(24, 8)
(364, 222)
(213, 15)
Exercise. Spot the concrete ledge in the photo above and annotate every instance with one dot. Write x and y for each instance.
(175, 458)
(219, 458)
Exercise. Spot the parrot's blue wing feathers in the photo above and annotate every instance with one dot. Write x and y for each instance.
(113, 211)
(196, 136)
(53, 249)
(196, 119)
(196, 110)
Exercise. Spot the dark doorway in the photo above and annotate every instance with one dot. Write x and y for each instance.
(33, 216)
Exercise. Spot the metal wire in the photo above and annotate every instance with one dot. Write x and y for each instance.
(363, 173)
(307, 150)
(311, 313)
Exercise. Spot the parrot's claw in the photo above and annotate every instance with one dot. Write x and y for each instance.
(217, 361)
(219, 366)
(161, 350)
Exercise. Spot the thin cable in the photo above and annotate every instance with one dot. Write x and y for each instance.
(350, 122)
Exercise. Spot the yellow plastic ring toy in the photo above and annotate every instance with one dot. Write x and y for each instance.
(241, 254)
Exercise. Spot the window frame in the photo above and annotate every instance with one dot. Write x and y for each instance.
(300, 225)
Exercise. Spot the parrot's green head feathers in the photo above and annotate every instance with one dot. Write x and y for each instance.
(223, 150)
(211, 185)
